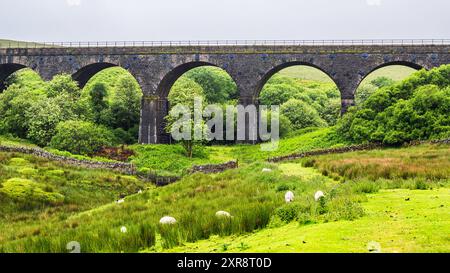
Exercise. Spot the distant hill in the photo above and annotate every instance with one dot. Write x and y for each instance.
(394, 72)
(12, 43)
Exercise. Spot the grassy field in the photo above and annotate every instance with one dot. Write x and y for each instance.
(421, 224)
(354, 211)
(171, 159)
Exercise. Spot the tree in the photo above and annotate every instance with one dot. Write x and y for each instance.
(63, 83)
(81, 137)
(414, 109)
(382, 82)
(277, 94)
(43, 117)
(364, 92)
(301, 114)
(15, 101)
(126, 105)
(98, 102)
(180, 120)
(218, 86)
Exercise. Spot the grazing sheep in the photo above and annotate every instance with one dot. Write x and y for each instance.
(123, 229)
(289, 197)
(374, 247)
(318, 195)
(167, 220)
(120, 201)
(266, 170)
(140, 191)
(222, 213)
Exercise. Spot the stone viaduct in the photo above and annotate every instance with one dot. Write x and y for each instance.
(156, 68)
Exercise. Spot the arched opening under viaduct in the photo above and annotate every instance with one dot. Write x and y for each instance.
(6, 71)
(307, 96)
(115, 98)
(83, 75)
(214, 85)
(384, 75)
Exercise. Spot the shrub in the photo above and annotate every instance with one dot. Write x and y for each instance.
(301, 114)
(81, 137)
(218, 86)
(288, 212)
(415, 109)
(29, 192)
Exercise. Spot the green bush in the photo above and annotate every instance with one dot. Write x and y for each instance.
(81, 137)
(288, 212)
(29, 192)
(301, 114)
(217, 85)
(414, 109)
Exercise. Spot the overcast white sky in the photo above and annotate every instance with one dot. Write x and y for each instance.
(114, 20)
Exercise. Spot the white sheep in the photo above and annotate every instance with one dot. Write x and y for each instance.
(120, 201)
(123, 229)
(222, 213)
(318, 195)
(289, 197)
(140, 191)
(374, 247)
(167, 220)
(266, 170)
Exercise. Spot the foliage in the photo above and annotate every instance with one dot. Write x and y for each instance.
(28, 192)
(182, 98)
(15, 101)
(31, 108)
(126, 105)
(98, 102)
(414, 109)
(323, 97)
(81, 137)
(301, 114)
(217, 85)
(63, 83)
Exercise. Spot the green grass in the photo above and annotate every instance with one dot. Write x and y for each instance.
(32, 188)
(16, 142)
(165, 159)
(256, 201)
(421, 224)
(171, 160)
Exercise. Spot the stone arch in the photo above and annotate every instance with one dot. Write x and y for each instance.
(155, 108)
(83, 75)
(282, 66)
(7, 70)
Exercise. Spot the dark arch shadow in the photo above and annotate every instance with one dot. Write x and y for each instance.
(83, 75)
(7, 70)
(282, 66)
(401, 63)
(170, 78)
